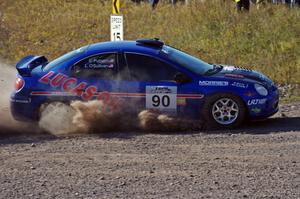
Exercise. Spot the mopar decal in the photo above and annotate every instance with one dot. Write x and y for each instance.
(213, 83)
(256, 110)
(256, 101)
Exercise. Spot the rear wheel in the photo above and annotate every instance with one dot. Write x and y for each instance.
(224, 111)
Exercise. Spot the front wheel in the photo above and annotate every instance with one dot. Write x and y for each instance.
(224, 111)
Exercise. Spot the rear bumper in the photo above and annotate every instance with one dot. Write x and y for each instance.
(23, 109)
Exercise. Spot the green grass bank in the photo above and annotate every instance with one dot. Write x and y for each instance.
(267, 39)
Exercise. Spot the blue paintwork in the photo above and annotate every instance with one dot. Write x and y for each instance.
(25, 106)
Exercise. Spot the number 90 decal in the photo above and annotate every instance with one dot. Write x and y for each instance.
(161, 97)
(163, 100)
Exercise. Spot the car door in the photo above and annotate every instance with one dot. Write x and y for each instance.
(100, 71)
(153, 86)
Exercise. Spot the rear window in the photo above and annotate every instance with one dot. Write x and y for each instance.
(100, 66)
(64, 58)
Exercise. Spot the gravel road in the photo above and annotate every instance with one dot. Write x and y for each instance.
(259, 160)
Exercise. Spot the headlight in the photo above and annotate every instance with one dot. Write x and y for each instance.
(261, 89)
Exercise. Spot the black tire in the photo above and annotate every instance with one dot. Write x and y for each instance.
(207, 113)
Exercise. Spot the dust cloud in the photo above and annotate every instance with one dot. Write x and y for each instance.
(56, 118)
(81, 117)
(94, 117)
(156, 122)
(7, 124)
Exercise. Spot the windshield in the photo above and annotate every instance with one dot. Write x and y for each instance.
(187, 61)
(64, 58)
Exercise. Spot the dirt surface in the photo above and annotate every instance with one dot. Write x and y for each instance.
(151, 166)
(259, 160)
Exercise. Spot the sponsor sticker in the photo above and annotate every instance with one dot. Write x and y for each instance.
(256, 101)
(159, 89)
(25, 101)
(239, 85)
(213, 83)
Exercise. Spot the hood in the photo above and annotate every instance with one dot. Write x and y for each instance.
(244, 73)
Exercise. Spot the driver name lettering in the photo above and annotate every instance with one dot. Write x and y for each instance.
(99, 63)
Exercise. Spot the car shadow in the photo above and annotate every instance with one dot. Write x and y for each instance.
(10, 135)
(268, 126)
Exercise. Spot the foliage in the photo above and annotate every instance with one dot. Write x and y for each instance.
(266, 39)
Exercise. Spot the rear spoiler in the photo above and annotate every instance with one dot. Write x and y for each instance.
(28, 63)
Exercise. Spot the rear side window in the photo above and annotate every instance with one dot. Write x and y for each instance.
(146, 68)
(64, 58)
(99, 66)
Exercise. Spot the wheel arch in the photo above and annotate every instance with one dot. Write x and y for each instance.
(210, 99)
(211, 94)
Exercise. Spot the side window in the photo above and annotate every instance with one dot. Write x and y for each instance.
(146, 68)
(100, 66)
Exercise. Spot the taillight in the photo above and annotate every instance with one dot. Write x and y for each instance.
(19, 83)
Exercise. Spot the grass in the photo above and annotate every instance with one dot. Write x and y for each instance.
(267, 39)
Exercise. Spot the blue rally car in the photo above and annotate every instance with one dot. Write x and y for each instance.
(144, 74)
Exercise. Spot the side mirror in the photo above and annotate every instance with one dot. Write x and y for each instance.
(182, 78)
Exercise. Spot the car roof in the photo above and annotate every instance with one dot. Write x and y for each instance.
(129, 46)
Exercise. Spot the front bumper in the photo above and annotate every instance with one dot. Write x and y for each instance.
(267, 109)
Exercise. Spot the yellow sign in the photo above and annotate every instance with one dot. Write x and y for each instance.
(116, 6)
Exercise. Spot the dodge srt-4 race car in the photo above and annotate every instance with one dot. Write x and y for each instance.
(144, 74)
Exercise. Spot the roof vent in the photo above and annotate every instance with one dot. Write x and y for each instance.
(151, 42)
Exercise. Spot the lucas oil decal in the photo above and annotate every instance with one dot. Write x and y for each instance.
(71, 86)
(256, 101)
